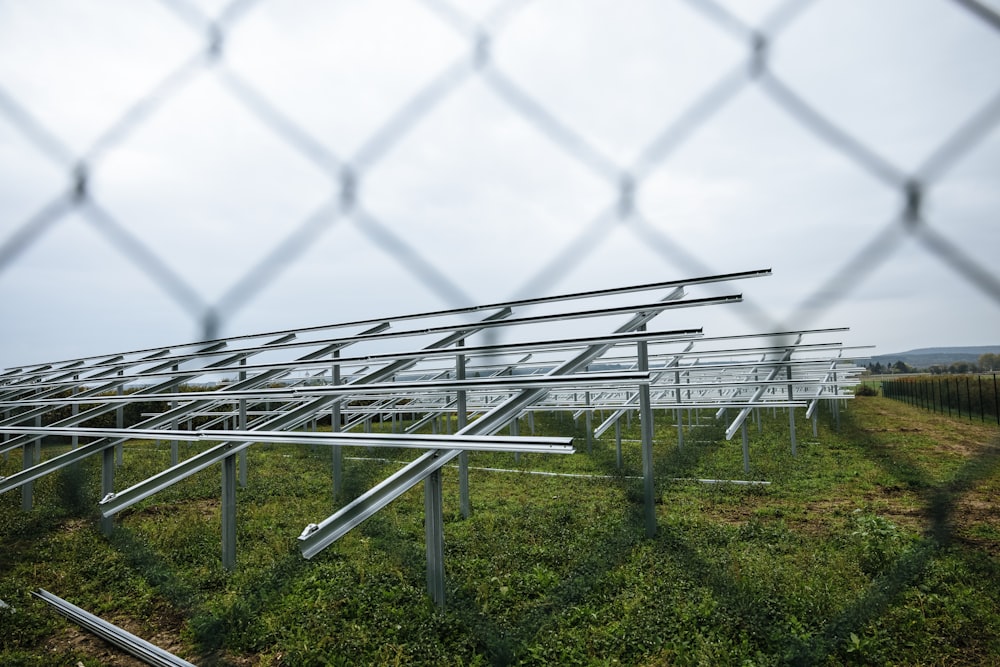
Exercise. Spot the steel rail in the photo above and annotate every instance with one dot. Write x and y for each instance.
(614, 291)
(679, 335)
(520, 321)
(491, 443)
(124, 640)
(46, 467)
(297, 393)
(99, 406)
(214, 455)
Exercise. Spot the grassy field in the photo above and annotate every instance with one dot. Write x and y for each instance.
(877, 544)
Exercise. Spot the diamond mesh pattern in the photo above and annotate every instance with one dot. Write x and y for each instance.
(281, 72)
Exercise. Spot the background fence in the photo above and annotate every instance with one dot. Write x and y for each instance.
(175, 169)
(971, 396)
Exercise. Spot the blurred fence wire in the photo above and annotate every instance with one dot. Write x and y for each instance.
(347, 170)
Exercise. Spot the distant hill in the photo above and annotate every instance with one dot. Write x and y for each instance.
(930, 356)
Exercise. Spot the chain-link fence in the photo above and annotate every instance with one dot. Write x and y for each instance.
(259, 164)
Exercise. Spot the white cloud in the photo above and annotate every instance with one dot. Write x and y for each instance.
(492, 204)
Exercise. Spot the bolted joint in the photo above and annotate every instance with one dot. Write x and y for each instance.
(759, 53)
(914, 192)
(481, 56)
(309, 530)
(108, 498)
(80, 182)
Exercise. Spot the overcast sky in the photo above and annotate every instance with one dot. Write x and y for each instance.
(489, 167)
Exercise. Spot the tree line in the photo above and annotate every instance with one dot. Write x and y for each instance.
(986, 363)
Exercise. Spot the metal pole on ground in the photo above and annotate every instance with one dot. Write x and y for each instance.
(338, 455)
(464, 500)
(646, 422)
(434, 536)
(107, 484)
(229, 513)
(243, 427)
(791, 414)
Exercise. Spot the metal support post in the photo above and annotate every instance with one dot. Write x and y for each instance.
(229, 513)
(515, 430)
(679, 411)
(243, 426)
(746, 447)
(618, 443)
(107, 485)
(434, 536)
(590, 423)
(815, 421)
(32, 456)
(461, 407)
(338, 454)
(120, 421)
(791, 414)
(175, 424)
(646, 423)
(74, 411)
(28, 488)
(836, 404)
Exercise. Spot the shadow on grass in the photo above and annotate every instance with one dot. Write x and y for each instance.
(605, 551)
(503, 645)
(503, 642)
(765, 622)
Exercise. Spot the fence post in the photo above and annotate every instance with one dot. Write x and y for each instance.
(968, 393)
(982, 406)
(996, 399)
(958, 397)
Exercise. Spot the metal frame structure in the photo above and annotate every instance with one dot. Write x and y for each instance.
(126, 641)
(273, 387)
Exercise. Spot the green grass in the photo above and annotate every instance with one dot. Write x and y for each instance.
(876, 544)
